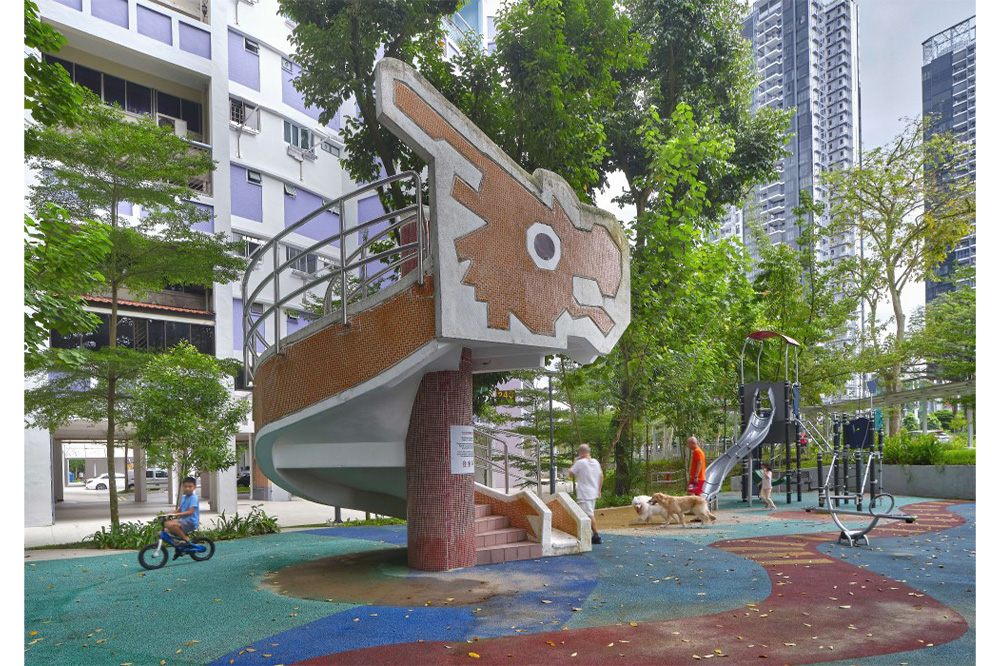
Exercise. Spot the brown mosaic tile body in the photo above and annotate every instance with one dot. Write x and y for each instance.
(338, 357)
(561, 518)
(441, 529)
(502, 272)
(516, 512)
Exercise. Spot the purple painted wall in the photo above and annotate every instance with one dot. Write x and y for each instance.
(368, 209)
(124, 208)
(247, 198)
(238, 328)
(73, 4)
(209, 226)
(244, 67)
(303, 203)
(113, 11)
(292, 97)
(295, 324)
(195, 40)
(153, 24)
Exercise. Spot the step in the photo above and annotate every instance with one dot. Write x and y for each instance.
(509, 552)
(483, 510)
(499, 537)
(491, 523)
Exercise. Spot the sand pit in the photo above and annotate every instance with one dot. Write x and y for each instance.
(381, 577)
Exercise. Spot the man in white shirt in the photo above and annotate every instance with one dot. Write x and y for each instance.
(589, 483)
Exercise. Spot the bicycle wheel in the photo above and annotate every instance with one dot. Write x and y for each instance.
(150, 559)
(209, 548)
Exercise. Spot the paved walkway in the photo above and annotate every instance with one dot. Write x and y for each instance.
(756, 587)
(83, 512)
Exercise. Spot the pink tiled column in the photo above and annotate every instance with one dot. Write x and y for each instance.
(441, 528)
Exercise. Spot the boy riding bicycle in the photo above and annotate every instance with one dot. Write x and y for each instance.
(187, 516)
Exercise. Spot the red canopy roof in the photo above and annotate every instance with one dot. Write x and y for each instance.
(763, 335)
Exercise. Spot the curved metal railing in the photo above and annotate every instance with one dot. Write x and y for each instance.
(332, 278)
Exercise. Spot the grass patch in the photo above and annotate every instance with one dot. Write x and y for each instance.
(960, 457)
(388, 520)
(89, 545)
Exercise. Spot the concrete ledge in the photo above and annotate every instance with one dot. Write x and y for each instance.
(944, 481)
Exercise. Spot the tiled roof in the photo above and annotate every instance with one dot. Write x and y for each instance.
(153, 306)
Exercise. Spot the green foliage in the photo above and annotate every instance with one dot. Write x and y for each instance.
(959, 457)
(906, 449)
(910, 422)
(933, 423)
(133, 535)
(910, 204)
(60, 260)
(944, 334)
(959, 423)
(255, 523)
(183, 410)
(49, 93)
(387, 520)
(944, 418)
(337, 44)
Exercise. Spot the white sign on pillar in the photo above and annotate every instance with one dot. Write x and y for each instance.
(463, 460)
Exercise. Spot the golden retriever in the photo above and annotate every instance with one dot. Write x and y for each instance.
(646, 511)
(678, 506)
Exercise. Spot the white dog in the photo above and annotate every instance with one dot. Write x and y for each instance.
(645, 510)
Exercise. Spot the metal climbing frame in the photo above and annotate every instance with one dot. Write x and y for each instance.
(334, 278)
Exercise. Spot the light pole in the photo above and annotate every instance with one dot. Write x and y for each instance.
(552, 448)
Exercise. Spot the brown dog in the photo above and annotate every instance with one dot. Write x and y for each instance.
(678, 506)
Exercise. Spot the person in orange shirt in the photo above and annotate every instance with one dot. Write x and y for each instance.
(697, 477)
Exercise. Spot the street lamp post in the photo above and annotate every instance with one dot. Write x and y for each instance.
(552, 449)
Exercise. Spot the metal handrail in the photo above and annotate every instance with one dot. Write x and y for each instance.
(491, 436)
(411, 214)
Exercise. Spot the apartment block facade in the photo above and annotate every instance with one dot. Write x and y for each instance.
(949, 100)
(220, 73)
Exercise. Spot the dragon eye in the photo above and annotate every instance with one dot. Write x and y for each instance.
(545, 247)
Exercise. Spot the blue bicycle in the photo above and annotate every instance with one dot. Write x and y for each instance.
(155, 555)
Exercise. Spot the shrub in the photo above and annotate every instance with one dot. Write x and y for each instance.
(128, 536)
(609, 499)
(256, 523)
(384, 520)
(905, 449)
(960, 457)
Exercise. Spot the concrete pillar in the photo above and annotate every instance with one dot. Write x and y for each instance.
(223, 485)
(923, 416)
(440, 509)
(58, 470)
(139, 456)
(970, 417)
(39, 505)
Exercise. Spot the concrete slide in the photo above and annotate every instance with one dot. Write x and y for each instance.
(756, 430)
(512, 267)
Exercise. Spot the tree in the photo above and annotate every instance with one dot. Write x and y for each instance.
(804, 298)
(90, 171)
(184, 412)
(337, 43)
(49, 94)
(910, 204)
(58, 254)
(943, 335)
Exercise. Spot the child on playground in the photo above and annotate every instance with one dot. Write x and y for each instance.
(765, 487)
(187, 514)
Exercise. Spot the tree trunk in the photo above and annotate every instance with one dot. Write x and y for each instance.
(112, 400)
(896, 383)
(622, 460)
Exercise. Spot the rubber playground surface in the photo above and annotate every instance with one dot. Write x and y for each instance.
(754, 587)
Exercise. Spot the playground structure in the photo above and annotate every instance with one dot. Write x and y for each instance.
(369, 407)
(771, 415)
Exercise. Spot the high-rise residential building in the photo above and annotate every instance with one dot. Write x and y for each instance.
(219, 73)
(806, 53)
(949, 98)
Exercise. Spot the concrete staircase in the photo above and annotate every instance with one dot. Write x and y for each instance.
(498, 542)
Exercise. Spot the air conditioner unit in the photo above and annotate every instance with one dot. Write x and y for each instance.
(179, 126)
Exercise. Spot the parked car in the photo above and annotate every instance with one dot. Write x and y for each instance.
(157, 478)
(101, 482)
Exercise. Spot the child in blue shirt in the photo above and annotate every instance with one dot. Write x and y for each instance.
(188, 513)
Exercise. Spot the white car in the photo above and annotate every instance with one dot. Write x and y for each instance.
(101, 482)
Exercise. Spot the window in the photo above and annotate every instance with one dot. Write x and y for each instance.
(330, 148)
(306, 263)
(251, 46)
(297, 136)
(286, 64)
(290, 190)
(250, 243)
(244, 114)
(254, 177)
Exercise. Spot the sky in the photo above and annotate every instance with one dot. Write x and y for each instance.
(891, 36)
